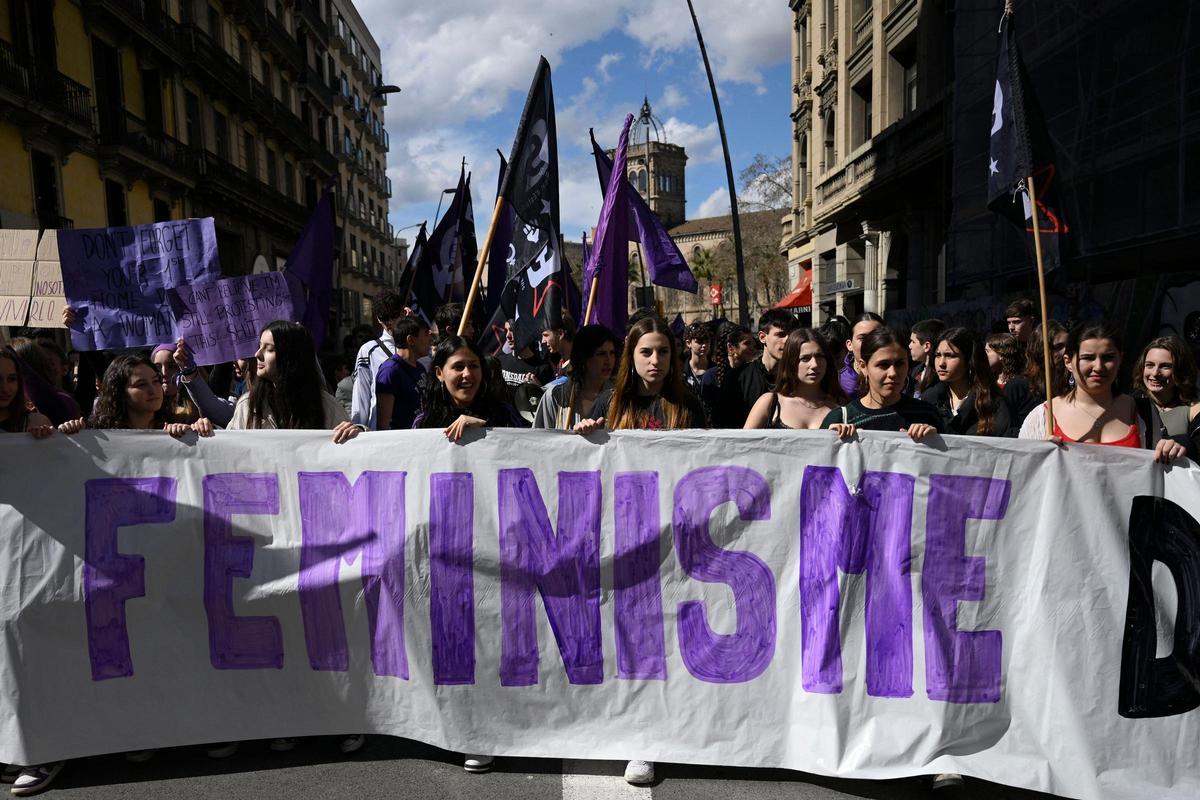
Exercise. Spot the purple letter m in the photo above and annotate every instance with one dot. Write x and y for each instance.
(566, 571)
(343, 523)
(868, 530)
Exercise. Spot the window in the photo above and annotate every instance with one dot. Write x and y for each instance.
(829, 153)
(801, 188)
(244, 51)
(215, 29)
(162, 210)
(152, 101)
(902, 81)
(272, 170)
(192, 121)
(114, 201)
(45, 190)
(250, 153)
(221, 135)
(268, 79)
(860, 111)
(829, 24)
(289, 180)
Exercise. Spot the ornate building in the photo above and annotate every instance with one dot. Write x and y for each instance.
(869, 156)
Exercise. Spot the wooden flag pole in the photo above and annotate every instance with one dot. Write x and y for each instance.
(587, 315)
(483, 260)
(1041, 271)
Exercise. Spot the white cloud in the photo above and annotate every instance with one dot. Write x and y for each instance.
(715, 205)
(672, 98)
(606, 61)
(702, 142)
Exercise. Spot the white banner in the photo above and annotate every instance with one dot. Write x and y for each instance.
(1001, 609)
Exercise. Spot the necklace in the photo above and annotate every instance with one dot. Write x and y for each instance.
(808, 403)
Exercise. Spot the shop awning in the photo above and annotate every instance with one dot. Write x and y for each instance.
(799, 298)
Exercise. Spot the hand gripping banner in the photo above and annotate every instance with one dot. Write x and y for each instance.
(1009, 610)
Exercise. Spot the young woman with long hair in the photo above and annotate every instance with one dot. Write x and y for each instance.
(1026, 392)
(593, 360)
(288, 391)
(1093, 412)
(883, 360)
(1165, 375)
(42, 383)
(15, 415)
(966, 394)
(1005, 356)
(462, 391)
(806, 386)
(648, 392)
(733, 347)
(177, 403)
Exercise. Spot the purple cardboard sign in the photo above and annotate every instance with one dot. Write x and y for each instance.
(117, 279)
(220, 321)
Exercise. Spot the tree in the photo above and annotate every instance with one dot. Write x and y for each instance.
(766, 183)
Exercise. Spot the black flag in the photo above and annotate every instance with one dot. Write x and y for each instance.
(451, 245)
(498, 257)
(532, 294)
(417, 279)
(1020, 148)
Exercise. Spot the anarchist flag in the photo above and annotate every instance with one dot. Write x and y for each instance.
(662, 257)
(532, 295)
(1019, 148)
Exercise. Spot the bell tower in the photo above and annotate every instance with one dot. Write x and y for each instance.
(656, 167)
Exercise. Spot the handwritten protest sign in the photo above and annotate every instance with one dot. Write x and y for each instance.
(45, 307)
(17, 251)
(117, 279)
(220, 321)
(871, 609)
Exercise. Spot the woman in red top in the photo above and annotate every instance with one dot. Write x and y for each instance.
(1092, 412)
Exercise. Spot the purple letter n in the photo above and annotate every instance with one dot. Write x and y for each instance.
(960, 666)
(566, 571)
(868, 530)
(110, 578)
(236, 642)
(343, 523)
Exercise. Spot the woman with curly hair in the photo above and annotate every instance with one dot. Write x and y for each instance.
(1165, 375)
(131, 398)
(1005, 356)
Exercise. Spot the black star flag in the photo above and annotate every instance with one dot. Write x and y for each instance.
(532, 293)
(1020, 148)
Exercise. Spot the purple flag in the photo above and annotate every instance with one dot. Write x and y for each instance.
(609, 264)
(667, 265)
(311, 260)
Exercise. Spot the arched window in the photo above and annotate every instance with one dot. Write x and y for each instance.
(641, 181)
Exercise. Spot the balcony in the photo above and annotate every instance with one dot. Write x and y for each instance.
(310, 15)
(339, 35)
(863, 28)
(320, 157)
(290, 126)
(220, 70)
(387, 189)
(227, 185)
(318, 88)
(132, 144)
(46, 95)
(146, 20)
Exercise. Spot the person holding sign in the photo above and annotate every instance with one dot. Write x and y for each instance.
(966, 394)
(461, 391)
(1091, 412)
(15, 416)
(806, 386)
(648, 392)
(287, 391)
(883, 360)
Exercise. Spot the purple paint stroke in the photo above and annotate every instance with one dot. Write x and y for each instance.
(744, 654)
(451, 577)
(111, 578)
(340, 522)
(565, 570)
(636, 586)
(960, 666)
(869, 530)
(236, 642)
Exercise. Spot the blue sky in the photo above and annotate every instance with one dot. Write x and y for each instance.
(465, 68)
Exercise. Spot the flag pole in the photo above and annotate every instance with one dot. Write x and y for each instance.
(484, 252)
(1041, 272)
(591, 298)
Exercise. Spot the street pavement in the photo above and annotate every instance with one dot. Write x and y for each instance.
(397, 769)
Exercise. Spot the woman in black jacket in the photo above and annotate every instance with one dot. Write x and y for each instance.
(966, 394)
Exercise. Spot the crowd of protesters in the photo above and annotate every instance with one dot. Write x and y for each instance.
(848, 376)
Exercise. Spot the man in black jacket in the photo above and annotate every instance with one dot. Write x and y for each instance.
(758, 377)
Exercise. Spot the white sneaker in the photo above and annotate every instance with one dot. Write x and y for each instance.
(639, 773)
(34, 779)
(222, 750)
(352, 744)
(476, 763)
(948, 780)
(283, 745)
